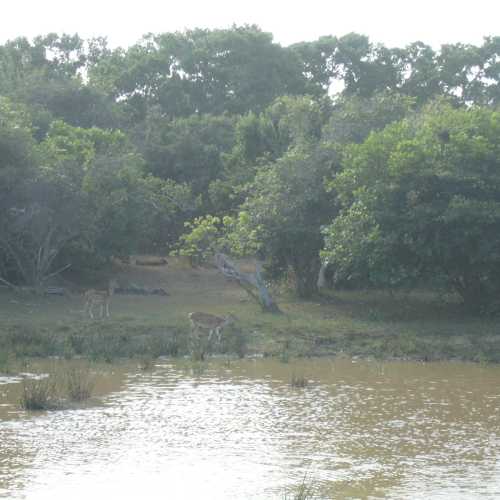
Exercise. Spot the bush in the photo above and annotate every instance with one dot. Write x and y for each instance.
(39, 394)
(79, 383)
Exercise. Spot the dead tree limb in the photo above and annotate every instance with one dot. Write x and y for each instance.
(8, 283)
(252, 283)
(55, 273)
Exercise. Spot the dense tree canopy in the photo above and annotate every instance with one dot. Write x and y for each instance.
(422, 202)
(381, 160)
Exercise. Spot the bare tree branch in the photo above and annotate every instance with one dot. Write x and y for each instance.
(55, 273)
(8, 283)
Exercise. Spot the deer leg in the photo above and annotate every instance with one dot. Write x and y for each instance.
(91, 314)
(107, 309)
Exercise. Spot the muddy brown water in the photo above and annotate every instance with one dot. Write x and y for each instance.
(240, 431)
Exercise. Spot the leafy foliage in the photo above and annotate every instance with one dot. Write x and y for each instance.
(240, 144)
(422, 202)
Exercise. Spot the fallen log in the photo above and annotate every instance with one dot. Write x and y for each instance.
(139, 290)
(151, 262)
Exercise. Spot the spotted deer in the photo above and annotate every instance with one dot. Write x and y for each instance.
(101, 298)
(208, 322)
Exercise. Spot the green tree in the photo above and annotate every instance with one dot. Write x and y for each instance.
(286, 206)
(422, 203)
(186, 150)
(105, 170)
(262, 138)
(354, 118)
(200, 71)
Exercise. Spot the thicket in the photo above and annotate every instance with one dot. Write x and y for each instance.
(203, 141)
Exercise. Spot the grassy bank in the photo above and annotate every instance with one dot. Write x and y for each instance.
(418, 326)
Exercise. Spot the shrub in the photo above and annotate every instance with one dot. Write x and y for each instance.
(79, 383)
(38, 394)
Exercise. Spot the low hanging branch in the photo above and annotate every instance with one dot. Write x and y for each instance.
(252, 283)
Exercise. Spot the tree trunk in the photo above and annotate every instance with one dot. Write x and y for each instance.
(252, 283)
(306, 276)
(321, 283)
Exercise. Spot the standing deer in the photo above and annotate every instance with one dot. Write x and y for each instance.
(100, 298)
(209, 322)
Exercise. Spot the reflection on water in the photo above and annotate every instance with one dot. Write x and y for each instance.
(359, 430)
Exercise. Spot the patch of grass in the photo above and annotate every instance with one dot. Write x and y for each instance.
(234, 341)
(146, 364)
(198, 346)
(298, 381)
(418, 325)
(284, 356)
(304, 491)
(196, 368)
(284, 350)
(166, 343)
(38, 394)
(5, 362)
(78, 383)
(27, 341)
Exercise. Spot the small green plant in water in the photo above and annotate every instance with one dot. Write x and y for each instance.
(38, 394)
(79, 383)
(303, 492)
(235, 341)
(298, 381)
(5, 362)
(196, 368)
(146, 364)
(284, 353)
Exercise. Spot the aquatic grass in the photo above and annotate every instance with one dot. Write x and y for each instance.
(39, 394)
(195, 368)
(298, 381)
(284, 356)
(78, 383)
(235, 340)
(304, 491)
(284, 350)
(5, 362)
(146, 364)
(197, 351)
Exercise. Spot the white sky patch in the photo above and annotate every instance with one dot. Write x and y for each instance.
(391, 22)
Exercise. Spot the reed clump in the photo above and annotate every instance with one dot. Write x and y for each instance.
(39, 394)
(78, 383)
(146, 363)
(5, 362)
(299, 381)
(304, 491)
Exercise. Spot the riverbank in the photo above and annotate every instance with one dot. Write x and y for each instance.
(416, 326)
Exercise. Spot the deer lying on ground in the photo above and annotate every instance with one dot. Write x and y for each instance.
(101, 298)
(209, 322)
